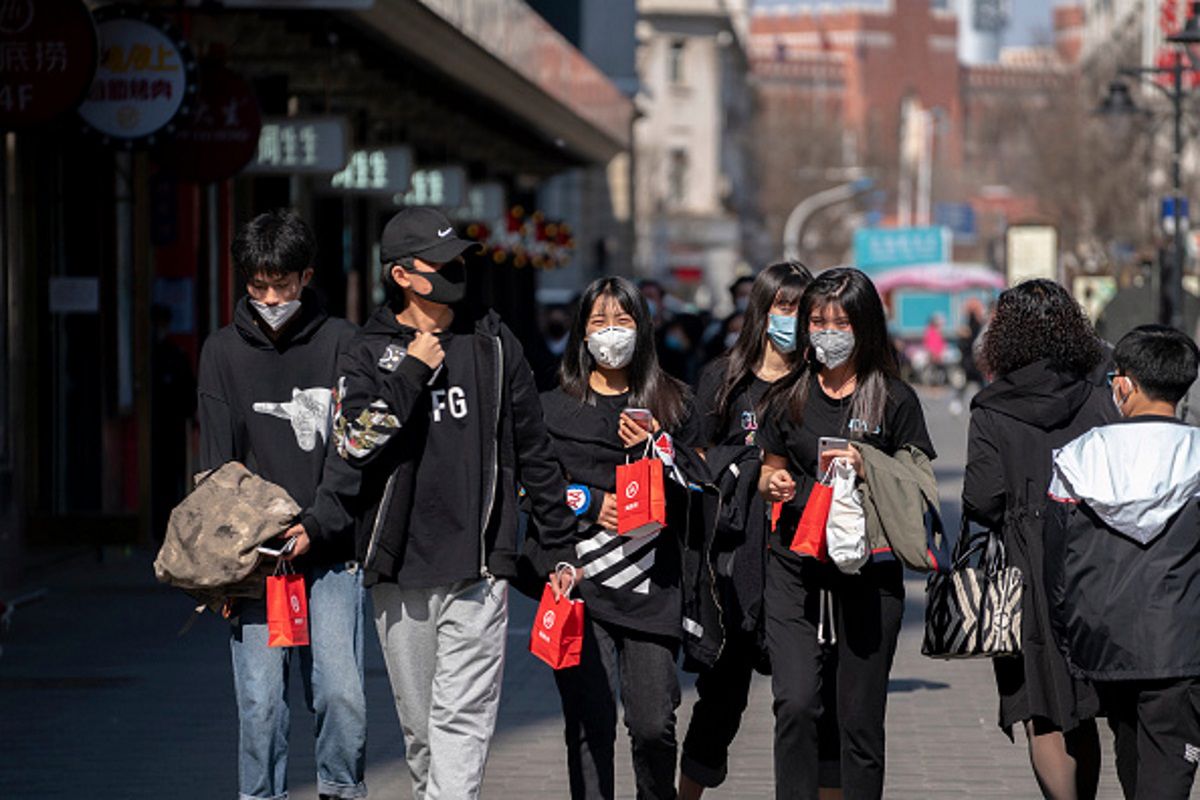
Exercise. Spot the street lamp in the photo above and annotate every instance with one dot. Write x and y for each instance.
(1119, 102)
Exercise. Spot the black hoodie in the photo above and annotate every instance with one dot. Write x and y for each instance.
(1016, 424)
(381, 423)
(268, 404)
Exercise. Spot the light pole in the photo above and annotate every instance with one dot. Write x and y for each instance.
(793, 228)
(1119, 102)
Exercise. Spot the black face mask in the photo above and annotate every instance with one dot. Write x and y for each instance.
(447, 286)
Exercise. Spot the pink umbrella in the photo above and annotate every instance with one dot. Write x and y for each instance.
(939, 277)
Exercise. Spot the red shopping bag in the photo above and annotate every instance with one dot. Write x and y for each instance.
(641, 504)
(557, 634)
(809, 539)
(287, 608)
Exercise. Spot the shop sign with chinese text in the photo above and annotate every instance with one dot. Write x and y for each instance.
(222, 135)
(48, 54)
(383, 170)
(145, 80)
(443, 187)
(301, 146)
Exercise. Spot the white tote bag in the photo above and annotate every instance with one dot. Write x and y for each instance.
(846, 529)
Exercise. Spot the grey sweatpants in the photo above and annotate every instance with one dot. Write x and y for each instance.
(444, 649)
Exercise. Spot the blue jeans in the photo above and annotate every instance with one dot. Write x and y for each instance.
(332, 670)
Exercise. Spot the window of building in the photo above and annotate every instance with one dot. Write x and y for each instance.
(675, 61)
(677, 169)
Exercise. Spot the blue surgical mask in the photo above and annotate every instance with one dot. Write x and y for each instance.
(782, 330)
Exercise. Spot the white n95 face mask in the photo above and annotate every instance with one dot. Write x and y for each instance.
(276, 316)
(612, 347)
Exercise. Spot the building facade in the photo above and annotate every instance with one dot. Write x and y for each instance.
(693, 200)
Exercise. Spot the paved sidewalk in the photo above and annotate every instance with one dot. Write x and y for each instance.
(100, 699)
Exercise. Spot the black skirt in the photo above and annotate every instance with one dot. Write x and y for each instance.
(1037, 683)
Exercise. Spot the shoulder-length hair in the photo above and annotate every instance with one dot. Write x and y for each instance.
(1035, 320)
(649, 386)
(873, 357)
(783, 282)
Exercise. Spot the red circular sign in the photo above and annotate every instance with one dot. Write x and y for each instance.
(48, 51)
(222, 134)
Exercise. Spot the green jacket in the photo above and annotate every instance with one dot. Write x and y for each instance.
(900, 501)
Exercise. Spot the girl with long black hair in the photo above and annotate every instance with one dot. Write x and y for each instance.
(847, 387)
(631, 585)
(729, 404)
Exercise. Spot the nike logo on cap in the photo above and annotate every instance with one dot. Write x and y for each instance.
(445, 233)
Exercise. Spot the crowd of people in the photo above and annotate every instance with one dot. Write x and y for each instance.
(432, 473)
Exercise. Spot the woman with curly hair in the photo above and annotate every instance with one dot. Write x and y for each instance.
(1049, 388)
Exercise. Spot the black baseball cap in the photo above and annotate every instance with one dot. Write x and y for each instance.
(424, 233)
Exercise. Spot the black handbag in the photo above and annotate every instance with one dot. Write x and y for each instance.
(974, 610)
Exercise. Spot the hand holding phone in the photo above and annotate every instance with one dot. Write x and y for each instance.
(642, 417)
(831, 447)
(277, 547)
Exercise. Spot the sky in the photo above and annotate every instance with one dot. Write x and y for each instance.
(1031, 19)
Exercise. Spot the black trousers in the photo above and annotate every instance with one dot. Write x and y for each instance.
(640, 669)
(1157, 730)
(723, 691)
(864, 611)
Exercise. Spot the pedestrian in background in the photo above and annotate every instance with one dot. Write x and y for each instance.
(847, 387)
(1048, 389)
(265, 390)
(1123, 564)
(631, 585)
(730, 404)
(439, 413)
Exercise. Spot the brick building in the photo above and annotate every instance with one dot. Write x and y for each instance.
(853, 90)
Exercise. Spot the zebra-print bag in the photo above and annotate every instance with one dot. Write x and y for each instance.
(974, 611)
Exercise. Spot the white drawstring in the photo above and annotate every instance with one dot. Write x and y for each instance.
(826, 609)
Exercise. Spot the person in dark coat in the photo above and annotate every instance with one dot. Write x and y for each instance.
(1049, 389)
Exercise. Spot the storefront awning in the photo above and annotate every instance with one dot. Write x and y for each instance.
(506, 52)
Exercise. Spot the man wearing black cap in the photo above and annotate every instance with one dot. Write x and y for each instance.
(438, 410)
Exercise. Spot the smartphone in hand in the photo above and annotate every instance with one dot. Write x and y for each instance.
(641, 416)
(277, 546)
(824, 445)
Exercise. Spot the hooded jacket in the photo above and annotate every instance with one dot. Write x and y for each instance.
(1123, 551)
(380, 428)
(1016, 423)
(267, 404)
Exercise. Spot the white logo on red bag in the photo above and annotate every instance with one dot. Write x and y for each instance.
(548, 619)
(632, 489)
(295, 604)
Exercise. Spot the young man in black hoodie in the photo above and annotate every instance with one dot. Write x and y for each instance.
(1123, 564)
(438, 409)
(265, 400)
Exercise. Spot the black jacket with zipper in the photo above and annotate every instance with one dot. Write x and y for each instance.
(380, 431)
